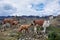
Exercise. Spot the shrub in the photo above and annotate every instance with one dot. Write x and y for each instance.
(52, 36)
(58, 37)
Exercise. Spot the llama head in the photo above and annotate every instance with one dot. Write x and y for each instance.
(51, 17)
(31, 24)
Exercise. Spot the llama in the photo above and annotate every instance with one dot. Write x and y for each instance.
(24, 27)
(5, 26)
(10, 21)
(42, 23)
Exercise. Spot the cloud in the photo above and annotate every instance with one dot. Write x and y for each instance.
(59, 2)
(30, 7)
(0, 0)
(38, 7)
(7, 9)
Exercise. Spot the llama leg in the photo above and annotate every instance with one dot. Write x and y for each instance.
(44, 30)
(44, 26)
(20, 30)
(35, 29)
(27, 31)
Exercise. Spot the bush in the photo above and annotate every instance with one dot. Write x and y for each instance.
(58, 37)
(52, 36)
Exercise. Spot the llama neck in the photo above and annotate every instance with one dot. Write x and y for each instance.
(29, 25)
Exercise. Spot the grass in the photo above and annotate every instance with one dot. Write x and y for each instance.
(55, 29)
(49, 29)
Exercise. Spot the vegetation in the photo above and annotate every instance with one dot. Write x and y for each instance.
(53, 33)
(52, 36)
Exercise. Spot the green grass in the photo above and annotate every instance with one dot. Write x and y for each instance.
(55, 29)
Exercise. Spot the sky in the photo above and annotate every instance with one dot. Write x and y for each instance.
(29, 7)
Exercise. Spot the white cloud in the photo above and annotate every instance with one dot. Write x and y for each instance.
(24, 7)
(6, 9)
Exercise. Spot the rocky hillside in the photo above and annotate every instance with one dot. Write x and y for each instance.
(56, 21)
